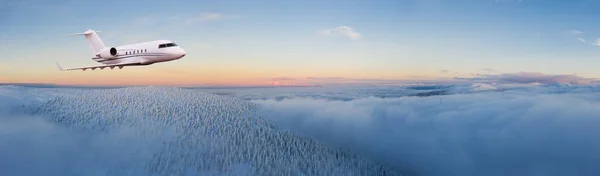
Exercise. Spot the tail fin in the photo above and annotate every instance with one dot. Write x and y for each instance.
(93, 39)
(59, 67)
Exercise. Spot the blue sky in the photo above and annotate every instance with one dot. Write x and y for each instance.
(397, 39)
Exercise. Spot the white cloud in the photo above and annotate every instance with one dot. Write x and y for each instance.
(597, 43)
(575, 32)
(342, 30)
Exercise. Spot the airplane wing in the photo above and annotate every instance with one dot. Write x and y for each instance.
(100, 66)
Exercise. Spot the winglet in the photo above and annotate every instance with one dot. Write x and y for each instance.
(59, 67)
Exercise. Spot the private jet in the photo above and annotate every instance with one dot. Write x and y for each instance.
(138, 54)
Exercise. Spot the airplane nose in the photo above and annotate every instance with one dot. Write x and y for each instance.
(181, 52)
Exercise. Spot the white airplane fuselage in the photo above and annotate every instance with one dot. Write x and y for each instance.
(138, 54)
(144, 53)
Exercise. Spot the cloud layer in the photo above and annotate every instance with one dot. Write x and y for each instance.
(533, 77)
(124, 131)
(488, 77)
(494, 133)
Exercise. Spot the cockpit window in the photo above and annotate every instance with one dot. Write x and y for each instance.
(167, 45)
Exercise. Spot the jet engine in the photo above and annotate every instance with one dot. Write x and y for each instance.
(109, 53)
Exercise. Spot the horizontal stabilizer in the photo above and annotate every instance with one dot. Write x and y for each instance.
(84, 33)
(94, 41)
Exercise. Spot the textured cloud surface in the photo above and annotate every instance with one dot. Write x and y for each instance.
(155, 131)
(478, 129)
(493, 133)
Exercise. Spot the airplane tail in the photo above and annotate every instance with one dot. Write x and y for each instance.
(59, 67)
(94, 41)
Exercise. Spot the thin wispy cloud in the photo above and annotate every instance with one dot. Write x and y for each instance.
(366, 81)
(207, 17)
(597, 42)
(325, 78)
(284, 81)
(210, 16)
(284, 78)
(532, 77)
(489, 69)
(342, 30)
(490, 76)
(575, 32)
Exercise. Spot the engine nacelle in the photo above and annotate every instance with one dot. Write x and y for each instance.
(109, 53)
